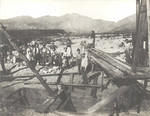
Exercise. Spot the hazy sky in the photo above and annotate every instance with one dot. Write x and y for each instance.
(112, 10)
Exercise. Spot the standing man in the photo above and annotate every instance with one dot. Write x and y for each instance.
(37, 56)
(29, 53)
(65, 60)
(84, 64)
(45, 53)
(93, 36)
(79, 57)
(69, 52)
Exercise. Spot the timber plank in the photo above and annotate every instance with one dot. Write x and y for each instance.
(108, 99)
(115, 62)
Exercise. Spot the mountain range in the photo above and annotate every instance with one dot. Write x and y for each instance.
(73, 23)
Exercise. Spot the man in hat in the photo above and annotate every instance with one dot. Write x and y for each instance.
(79, 57)
(93, 37)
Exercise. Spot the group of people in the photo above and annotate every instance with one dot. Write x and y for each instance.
(48, 54)
(38, 54)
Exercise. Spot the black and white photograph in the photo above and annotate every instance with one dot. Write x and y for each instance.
(74, 57)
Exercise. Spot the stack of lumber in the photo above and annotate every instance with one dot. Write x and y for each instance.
(117, 69)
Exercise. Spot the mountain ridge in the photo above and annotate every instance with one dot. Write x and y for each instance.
(73, 23)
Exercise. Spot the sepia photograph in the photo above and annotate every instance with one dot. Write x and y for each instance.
(74, 57)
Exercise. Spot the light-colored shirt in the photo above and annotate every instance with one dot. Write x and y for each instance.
(79, 56)
(64, 53)
(84, 62)
(29, 54)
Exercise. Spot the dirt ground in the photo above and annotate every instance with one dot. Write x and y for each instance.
(36, 93)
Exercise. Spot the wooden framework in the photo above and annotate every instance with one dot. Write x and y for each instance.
(120, 73)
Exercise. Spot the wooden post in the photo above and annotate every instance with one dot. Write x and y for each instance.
(148, 20)
(137, 14)
(71, 80)
(142, 96)
(102, 85)
(129, 98)
(140, 30)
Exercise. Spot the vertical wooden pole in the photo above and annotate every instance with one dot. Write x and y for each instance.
(140, 31)
(141, 98)
(71, 80)
(102, 85)
(137, 14)
(148, 20)
(129, 98)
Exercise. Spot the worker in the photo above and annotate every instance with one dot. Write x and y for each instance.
(54, 57)
(83, 43)
(37, 56)
(84, 64)
(78, 58)
(93, 37)
(45, 53)
(29, 53)
(69, 52)
(65, 60)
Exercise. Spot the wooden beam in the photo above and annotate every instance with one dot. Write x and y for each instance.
(117, 72)
(71, 81)
(137, 14)
(142, 97)
(133, 77)
(47, 103)
(68, 84)
(111, 62)
(148, 20)
(108, 99)
(102, 79)
(114, 61)
(61, 107)
(129, 97)
(106, 66)
(47, 75)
